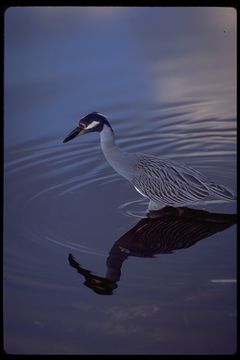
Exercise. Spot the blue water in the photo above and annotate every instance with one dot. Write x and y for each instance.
(166, 80)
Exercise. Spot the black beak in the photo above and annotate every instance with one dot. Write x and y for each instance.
(73, 134)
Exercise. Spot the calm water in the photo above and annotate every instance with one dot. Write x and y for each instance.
(165, 78)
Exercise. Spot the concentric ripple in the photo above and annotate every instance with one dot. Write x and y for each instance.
(41, 176)
(65, 169)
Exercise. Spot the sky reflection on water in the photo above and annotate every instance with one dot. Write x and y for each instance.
(69, 61)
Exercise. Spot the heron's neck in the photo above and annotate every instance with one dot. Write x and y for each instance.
(118, 159)
(107, 140)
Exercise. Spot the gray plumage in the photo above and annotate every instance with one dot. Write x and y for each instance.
(169, 183)
(163, 182)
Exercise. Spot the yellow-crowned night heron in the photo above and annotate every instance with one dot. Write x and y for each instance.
(163, 182)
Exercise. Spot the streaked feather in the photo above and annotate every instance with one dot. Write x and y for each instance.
(171, 183)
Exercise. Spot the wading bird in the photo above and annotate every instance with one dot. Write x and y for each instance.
(163, 182)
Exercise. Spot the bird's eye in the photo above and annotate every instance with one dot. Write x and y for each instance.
(82, 126)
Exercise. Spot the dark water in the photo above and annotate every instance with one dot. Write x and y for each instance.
(165, 77)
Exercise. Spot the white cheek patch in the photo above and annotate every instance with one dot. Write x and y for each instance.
(92, 125)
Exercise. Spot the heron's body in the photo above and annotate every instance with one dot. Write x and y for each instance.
(163, 182)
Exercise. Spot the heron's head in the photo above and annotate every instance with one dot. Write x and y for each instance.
(90, 123)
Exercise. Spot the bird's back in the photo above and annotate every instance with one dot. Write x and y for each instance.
(174, 184)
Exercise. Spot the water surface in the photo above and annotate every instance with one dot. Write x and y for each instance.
(165, 78)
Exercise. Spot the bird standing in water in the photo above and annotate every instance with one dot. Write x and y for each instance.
(163, 182)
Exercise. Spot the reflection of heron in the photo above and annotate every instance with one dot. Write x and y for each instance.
(160, 234)
(163, 182)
